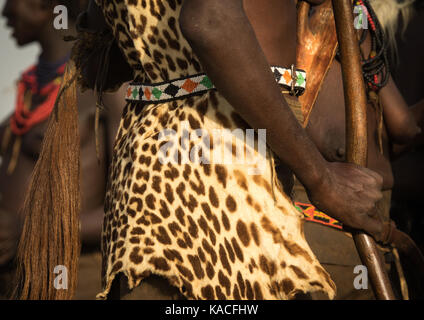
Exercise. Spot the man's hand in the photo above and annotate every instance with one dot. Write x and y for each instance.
(349, 193)
(9, 236)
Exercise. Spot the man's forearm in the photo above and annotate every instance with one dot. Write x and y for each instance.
(242, 75)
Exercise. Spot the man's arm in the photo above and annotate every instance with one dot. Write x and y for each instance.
(405, 125)
(417, 113)
(401, 124)
(346, 192)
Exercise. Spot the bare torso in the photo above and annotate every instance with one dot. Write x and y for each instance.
(326, 127)
(274, 22)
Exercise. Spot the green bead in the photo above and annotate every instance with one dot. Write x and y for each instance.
(157, 93)
(207, 82)
(135, 93)
(300, 79)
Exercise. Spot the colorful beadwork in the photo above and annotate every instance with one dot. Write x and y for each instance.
(284, 77)
(181, 88)
(313, 214)
(163, 92)
(23, 119)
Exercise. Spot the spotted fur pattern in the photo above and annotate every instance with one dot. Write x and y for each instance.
(213, 231)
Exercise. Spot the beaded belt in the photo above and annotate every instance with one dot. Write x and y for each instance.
(313, 214)
(292, 79)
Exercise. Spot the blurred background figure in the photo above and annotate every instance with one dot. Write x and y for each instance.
(407, 70)
(22, 132)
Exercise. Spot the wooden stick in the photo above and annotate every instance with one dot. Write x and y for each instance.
(356, 134)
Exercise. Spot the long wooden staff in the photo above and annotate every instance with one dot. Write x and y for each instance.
(356, 134)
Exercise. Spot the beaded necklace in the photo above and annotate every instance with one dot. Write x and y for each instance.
(24, 118)
(375, 68)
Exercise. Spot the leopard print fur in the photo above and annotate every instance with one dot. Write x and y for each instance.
(214, 231)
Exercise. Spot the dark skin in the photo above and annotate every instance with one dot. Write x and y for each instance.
(328, 132)
(32, 21)
(265, 36)
(408, 170)
(346, 192)
(402, 127)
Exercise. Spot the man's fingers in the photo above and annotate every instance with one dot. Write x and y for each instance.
(376, 196)
(377, 178)
(373, 212)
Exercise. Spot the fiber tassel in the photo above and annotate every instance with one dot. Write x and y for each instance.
(50, 235)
